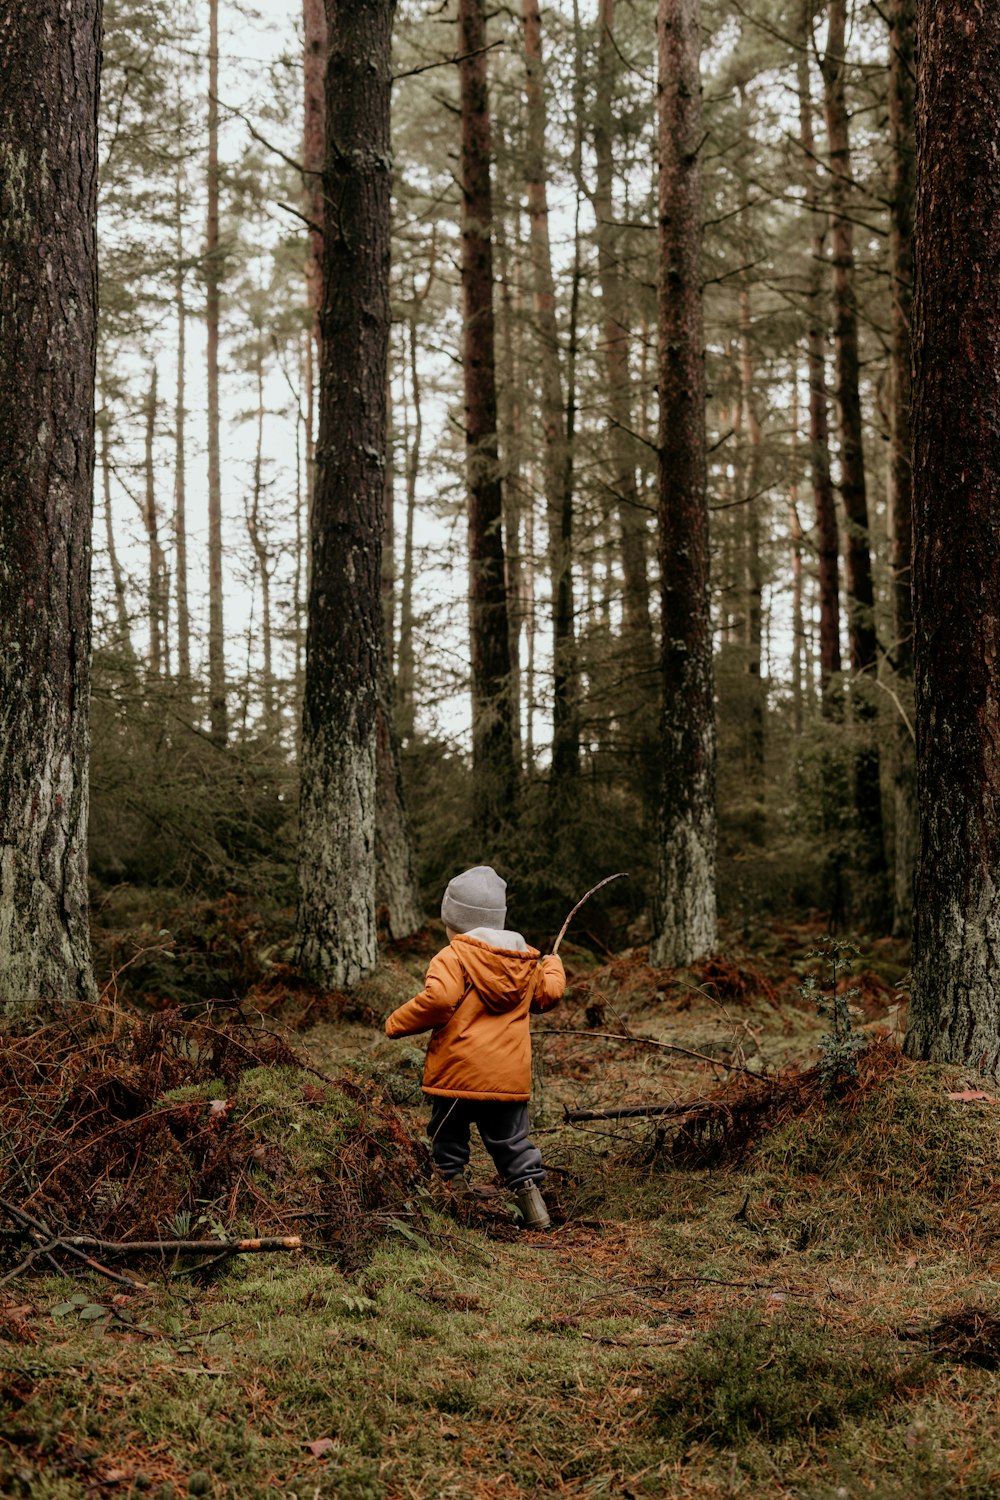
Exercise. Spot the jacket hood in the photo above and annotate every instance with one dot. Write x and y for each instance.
(503, 976)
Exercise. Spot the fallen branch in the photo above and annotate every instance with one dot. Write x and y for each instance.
(647, 1041)
(45, 1242)
(186, 1247)
(632, 1111)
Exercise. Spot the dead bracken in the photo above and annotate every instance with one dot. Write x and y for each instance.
(129, 1127)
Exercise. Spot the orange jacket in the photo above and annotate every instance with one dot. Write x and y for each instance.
(476, 1001)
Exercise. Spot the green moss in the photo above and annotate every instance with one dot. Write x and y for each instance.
(780, 1381)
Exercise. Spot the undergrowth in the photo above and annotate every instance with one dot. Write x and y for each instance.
(120, 1125)
(778, 1380)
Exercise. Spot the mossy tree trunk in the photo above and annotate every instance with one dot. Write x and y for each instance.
(50, 63)
(955, 1009)
(344, 647)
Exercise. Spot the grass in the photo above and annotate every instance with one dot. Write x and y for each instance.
(818, 1321)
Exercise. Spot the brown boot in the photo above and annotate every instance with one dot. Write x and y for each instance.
(531, 1206)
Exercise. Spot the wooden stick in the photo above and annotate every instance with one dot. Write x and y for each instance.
(187, 1247)
(647, 1041)
(633, 1111)
(622, 875)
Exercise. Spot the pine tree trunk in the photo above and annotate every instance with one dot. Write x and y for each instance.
(685, 918)
(155, 603)
(955, 1007)
(798, 543)
(314, 73)
(512, 457)
(638, 629)
(493, 769)
(217, 710)
(902, 190)
(50, 65)
(124, 631)
(258, 541)
(396, 898)
(180, 477)
(337, 918)
(557, 457)
(405, 676)
(398, 908)
(824, 503)
(872, 894)
(754, 580)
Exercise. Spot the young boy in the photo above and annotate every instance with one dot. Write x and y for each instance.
(475, 1002)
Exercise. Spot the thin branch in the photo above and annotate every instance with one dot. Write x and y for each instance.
(647, 1041)
(446, 62)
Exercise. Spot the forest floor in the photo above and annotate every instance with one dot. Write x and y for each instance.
(766, 1293)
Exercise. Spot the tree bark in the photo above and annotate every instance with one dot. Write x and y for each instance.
(180, 476)
(337, 918)
(871, 897)
(156, 600)
(124, 629)
(797, 539)
(824, 502)
(314, 72)
(50, 63)
(685, 916)
(257, 531)
(405, 677)
(955, 1008)
(753, 577)
(493, 769)
(615, 329)
(217, 710)
(902, 192)
(510, 409)
(557, 455)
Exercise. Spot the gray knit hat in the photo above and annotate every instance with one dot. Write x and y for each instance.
(478, 898)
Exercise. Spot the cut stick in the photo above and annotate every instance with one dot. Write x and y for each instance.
(187, 1247)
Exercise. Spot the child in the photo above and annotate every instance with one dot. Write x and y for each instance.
(475, 1002)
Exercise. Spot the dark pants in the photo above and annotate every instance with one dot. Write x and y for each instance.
(504, 1128)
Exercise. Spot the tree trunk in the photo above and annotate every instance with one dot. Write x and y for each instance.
(902, 189)
(824, 502)
(685, 919)
(180, 477)
(798, 542)
(871, 897)
(955, 1009)
(217, 711)
(337, 919)
(155, 603)
(258, 541)
(405, 678)
(558, 459)
(396, 899)
(493, 769)
(754, 579)
(398, 909)
(314, 72)
(124, 630)
(615, 329)
(50, 64)
(512, 455)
